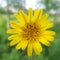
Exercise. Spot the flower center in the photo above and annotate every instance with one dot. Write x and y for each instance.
(30, 31)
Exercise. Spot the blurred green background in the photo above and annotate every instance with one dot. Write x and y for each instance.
(8, 8)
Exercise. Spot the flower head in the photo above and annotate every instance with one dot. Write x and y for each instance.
(30, 31)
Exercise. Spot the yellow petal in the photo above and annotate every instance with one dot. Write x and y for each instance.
(13, 42)
(18, 17)
(48, 24)
(45, 24)
(44, 41)
(40, 13)
(37, 47)
(48, 35)
(15, 25)
(44, 17)
(37, 15)
(30, 15)
(22, 45)
(23, 16)
(25, 42)
(19, 46)
(49, 32)
(12, 31)
(29, 49)
(12, 37)
(17, 37)
(49, 38)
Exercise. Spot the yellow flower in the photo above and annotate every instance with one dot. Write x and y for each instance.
(30, 31)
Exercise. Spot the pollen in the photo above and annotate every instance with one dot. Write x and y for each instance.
(30, 32)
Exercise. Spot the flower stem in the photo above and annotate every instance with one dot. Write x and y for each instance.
(32, 57)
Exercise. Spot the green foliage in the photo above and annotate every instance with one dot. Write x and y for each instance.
(50, 4)
(2, 11)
